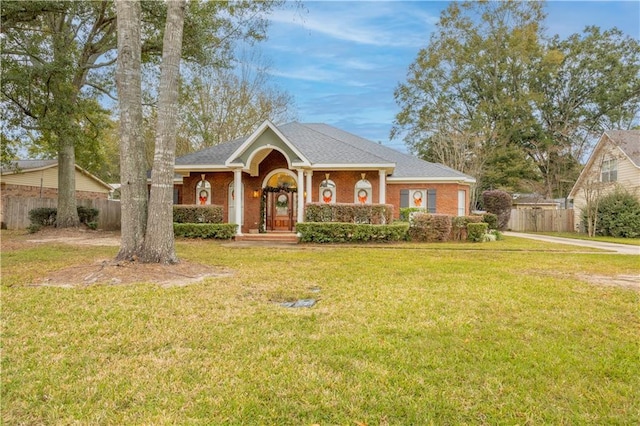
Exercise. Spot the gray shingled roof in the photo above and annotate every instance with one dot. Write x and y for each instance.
(628, 141)
(324, 144)
(21, 165)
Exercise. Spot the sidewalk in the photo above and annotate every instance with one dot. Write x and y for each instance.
(617, 248)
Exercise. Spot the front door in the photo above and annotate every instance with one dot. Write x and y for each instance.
(282, 210)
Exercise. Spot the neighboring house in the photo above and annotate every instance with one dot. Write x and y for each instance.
(278, 169)
(39, 179)
(614, 162)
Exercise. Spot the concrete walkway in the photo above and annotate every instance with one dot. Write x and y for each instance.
(617, 248)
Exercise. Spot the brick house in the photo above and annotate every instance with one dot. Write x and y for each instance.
(278, 169)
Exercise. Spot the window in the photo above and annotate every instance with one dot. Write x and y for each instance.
(609, 171)
(418, 198)
(203, 192)
(462, 202)
(327, 192)
(362, 193)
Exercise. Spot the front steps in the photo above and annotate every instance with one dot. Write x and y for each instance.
(269, 237)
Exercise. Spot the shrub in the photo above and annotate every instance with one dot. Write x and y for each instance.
(32, 229)
(430, 227)
(334, 232)
(619, 215)
(476, 232)
(491, 219)
(405, 213)
(197, 214)
(376, 214)
(459, 226)
(87, 214)
(498, 203)
(46, 216)
(218, 231)
(43, 216)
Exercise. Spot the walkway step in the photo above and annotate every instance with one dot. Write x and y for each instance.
(287, 237)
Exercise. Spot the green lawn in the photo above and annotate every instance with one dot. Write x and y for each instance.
(494, 333)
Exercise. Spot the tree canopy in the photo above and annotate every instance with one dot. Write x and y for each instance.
(494, 96)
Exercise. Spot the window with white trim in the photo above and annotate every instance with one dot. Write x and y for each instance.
(363, 192)
(327, 193)
(609, 170)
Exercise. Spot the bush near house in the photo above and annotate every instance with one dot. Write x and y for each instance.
(618, 215)
(197, 214)
(459, 226)
(498, 203)
(476, 232)
(375, 214)
(46, 216)
(218, 231)
(429, 228)
(334, 232)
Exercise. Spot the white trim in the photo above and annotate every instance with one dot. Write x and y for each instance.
(186, 169)
(275, 172)
(389, 167)
(239, 205)
(382, 190)
(300, 196)
(397, 180)
(255, 135)
(255, 171)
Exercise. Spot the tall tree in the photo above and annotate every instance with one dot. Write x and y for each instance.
(59, 57)
(490, 73)
(158, 243)
(133, 178)
(49, 52)
(222, 104)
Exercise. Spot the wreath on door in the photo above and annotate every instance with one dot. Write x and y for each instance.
(282, 202)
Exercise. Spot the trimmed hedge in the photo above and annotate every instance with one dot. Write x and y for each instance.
(427, 227)
(375, 214)
(334, 232)
(476, 232)
(459, 226)
(218, 231)
(46, 216)
(183, 213)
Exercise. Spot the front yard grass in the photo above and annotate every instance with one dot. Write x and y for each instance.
(495, 333)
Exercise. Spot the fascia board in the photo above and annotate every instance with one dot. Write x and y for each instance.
(468, 180)
(385, 166)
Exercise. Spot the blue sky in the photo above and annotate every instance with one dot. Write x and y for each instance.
(342, 60)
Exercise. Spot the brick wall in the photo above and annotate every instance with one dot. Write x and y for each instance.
(446, 193)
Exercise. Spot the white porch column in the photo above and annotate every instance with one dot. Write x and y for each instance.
(383, 186)
(237, 189)
(300, 197)
(309, 185)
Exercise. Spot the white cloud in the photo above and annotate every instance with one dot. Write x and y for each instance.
(369, 23)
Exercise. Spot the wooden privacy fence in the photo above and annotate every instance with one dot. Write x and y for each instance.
(540, 220)
(15, 211)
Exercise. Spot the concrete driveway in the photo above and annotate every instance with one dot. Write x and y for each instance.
(617, 248)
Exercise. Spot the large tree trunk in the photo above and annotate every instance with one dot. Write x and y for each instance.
(133, 177)
(67, 215)
(159, 240)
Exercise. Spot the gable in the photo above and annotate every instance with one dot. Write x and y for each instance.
(622, 145)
